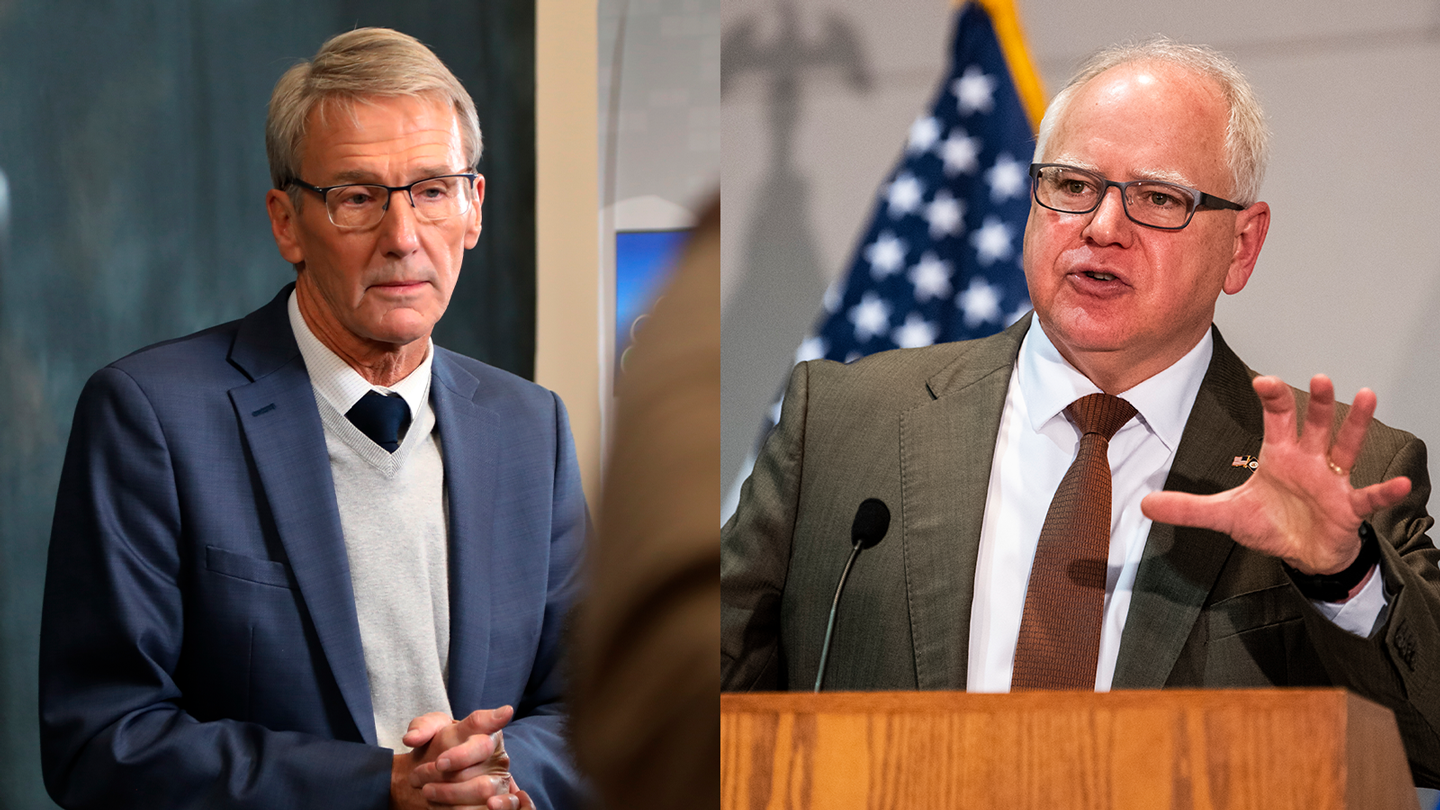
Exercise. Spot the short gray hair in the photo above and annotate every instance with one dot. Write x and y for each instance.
(349, 67)
(1247, 138)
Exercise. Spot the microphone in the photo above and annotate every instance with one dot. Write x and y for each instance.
(872, 520)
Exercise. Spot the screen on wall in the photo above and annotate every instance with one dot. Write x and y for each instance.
(642, 264)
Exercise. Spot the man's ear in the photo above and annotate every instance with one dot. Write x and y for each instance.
(1251, 225)
(284, 224)
(472, 224)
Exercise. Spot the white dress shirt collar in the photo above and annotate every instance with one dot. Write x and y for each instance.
(1049, 383)
(343, 386)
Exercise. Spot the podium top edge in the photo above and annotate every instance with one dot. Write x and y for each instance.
(953, 701)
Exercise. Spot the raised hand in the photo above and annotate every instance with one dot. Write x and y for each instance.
(1299, 504)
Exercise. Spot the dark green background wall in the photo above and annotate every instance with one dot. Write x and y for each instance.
(132, 137)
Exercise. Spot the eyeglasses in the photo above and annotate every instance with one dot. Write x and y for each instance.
(1152, 203)
(363, 205)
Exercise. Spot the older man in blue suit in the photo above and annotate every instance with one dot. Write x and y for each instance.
(288, 550)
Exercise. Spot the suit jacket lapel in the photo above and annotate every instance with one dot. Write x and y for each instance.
(945, 457)
(468, 440)
(281, 425)
(1180, 564)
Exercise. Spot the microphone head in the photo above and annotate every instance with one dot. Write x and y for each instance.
(872, 520)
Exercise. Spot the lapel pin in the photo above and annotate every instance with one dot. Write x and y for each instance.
(1250, 462)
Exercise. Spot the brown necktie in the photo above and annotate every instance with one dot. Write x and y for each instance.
(1059, 642)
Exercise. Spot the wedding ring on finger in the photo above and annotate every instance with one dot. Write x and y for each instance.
(1335, 468)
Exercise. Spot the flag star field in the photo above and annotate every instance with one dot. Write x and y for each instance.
(940, 260)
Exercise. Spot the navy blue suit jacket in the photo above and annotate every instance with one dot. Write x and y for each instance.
(199, 645)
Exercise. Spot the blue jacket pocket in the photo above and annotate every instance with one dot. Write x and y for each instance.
(251, 569)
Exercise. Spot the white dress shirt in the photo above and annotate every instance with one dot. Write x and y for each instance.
(343, 386)
(1034, 447)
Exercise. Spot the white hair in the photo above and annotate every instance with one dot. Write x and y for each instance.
(354, 66)
(1247, 139)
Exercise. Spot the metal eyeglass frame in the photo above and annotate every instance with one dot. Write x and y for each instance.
(1199, 199)
(324, 191)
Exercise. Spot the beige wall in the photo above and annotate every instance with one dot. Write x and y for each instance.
(567, 258)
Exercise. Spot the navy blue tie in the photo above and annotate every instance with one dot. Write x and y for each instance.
(381, 418)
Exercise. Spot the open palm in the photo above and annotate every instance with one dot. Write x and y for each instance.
(1299, 504)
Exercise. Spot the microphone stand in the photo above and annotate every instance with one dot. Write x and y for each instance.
(830, 625)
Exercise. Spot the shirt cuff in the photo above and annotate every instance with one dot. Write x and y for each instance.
(1364, 612)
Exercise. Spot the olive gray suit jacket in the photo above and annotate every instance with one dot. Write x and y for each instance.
(916, 428)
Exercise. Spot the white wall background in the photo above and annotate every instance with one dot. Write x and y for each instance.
(1349, 279)
(659, 115)
(659, 99)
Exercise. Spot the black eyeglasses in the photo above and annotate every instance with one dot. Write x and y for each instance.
(363, 205)
(1152, 203)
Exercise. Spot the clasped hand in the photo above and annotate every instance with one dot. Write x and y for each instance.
(1299, 504)
(457, 764)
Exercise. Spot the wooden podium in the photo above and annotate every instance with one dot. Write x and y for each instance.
(1308, 749)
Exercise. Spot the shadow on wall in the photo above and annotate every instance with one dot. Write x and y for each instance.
(781, 282)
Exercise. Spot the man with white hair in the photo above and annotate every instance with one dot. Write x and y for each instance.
(1102, 496)
(290, 549)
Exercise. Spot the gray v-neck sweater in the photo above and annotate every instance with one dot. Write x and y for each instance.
(393, 514)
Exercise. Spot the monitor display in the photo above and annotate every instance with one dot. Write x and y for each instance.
(642, 264)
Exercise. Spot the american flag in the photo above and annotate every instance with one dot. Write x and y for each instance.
(941, 258)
